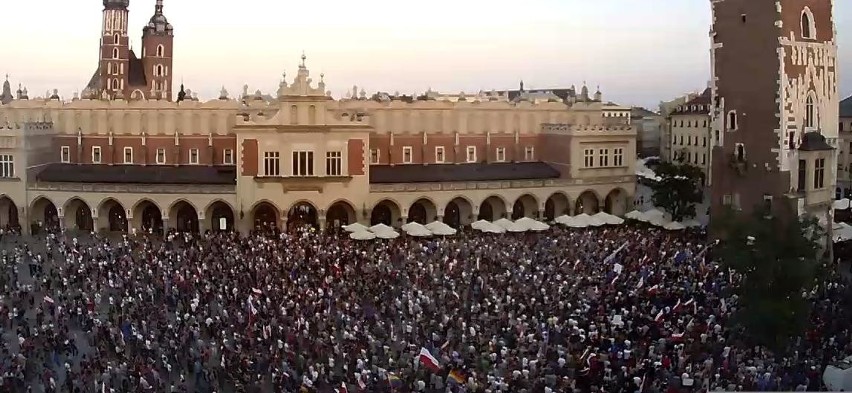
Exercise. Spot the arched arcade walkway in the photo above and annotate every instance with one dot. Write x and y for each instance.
(184, 216)
(492, 208)
(302, 214)
(148, 217)
(220, 217)
(44, 214)
(617, 202)
(78, 215)
(8, 213)
(340, 213)
(112, 216)
(265, 216)
(385, 212)
(556, 205)
(588, 203)
(458, 212)
(525, 206)
(422, 211)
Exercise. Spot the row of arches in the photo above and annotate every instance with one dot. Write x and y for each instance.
(111, 215)
(147, 216)
(460, 211)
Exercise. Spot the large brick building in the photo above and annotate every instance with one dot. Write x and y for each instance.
(129, 158)
(775, 103)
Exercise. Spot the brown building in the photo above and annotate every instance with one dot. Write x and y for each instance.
(125, 157)
(775, 102)
(121, 73)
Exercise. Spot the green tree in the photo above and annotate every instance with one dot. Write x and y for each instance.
(777, 259)
(679, 188)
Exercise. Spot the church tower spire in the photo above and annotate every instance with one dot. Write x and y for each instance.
(157, 46)
(113, 64)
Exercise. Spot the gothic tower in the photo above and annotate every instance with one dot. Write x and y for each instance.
(115, 52)
(157, 51)
(775, 106)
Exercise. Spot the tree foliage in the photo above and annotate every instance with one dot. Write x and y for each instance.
(778, 260)
(678, 189)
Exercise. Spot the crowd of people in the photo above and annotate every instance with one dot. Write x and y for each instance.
(617, 309)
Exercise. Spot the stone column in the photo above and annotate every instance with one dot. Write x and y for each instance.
(322, 223)
(440, 218)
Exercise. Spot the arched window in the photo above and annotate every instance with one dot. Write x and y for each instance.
(109, 68)
(158, 70)
(116, 39)
(115, 84)
(294, 114)
(732, 120)
(808, 27)
(115, 53)
(810, 111)
(312, 115)
(740, 152)
(160, 51)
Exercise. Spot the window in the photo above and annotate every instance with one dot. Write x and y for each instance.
(109, 68)
(808, 28)
(739, 152)
(312, 114)
(294, 114)
(272, 163)
(603, 158)
(193, 156)
(840, 127)
(7, 165)
(115, 53)
(791, 140)
(158, 70)
(618, 157)
(688, 156)
(96, 154)
(726, 199)
(529, 153)
(439, 154)
(65, 154)
(732, 120)
(228, 157)
(303, 163)
(471, 154)
(160, 51)
(767, 203)
(704, 142)
(703, 158)
(705, 124)
(588, 158)
(718, 137)
(116, 39)
(689, 140)
(374, 156)
(803, 174)
(334, 163)
(681, 140)
(161, 156)
(406, 155)
(810, 118)
(128, 155)
(501, 154)
(819, 173)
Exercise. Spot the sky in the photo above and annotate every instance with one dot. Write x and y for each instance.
(638, 52)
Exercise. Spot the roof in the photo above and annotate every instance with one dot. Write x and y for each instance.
(136, 72)
(561, 93)
(846, 107)
(641, 112)
(461, 172)
(814, 141)
(95, 83)
(699, 105)
(150, 174)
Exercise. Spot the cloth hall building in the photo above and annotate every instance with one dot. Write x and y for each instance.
(121, 157)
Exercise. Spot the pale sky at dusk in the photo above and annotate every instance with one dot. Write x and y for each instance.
(640, 52)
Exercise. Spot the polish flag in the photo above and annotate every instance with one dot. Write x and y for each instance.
(429, 361)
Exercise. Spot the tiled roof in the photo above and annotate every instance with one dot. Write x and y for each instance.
(561, 93)
(461, 172)
(814, 141)
(95, 83)
(846, 107)
(700, 105)
(149, 174)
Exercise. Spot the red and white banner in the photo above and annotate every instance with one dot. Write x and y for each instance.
(429, 361)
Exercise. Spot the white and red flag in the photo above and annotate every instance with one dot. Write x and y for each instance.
(429, 361)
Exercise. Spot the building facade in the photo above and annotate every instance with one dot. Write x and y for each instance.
(777, 130)
(844, 159)
(690, 132)
(649, 127)
(666, 108)
(121, 160)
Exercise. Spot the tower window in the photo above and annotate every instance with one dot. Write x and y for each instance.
(115, 53)
(116, 39)
(810, 111)
(732, 121)
(740, 152)
(160, 51)
(808, 28)
(158, 70)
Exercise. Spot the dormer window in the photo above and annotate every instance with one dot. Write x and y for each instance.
(808, 27)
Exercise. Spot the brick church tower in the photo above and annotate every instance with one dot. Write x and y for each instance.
(775, 106)
(121, 74)
(157, 45)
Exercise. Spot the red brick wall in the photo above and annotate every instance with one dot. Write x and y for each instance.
(523, 142)
(200, 143)
(554, 148)
(355, 157)
(166, 143)
(507, 142)
(58, 142)
(792, 13)
(133, 142)
(249, 157)
(88, 143)
(435, 140)
(381, 142)
(413, 141)
(472, 140)
(220, 144)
